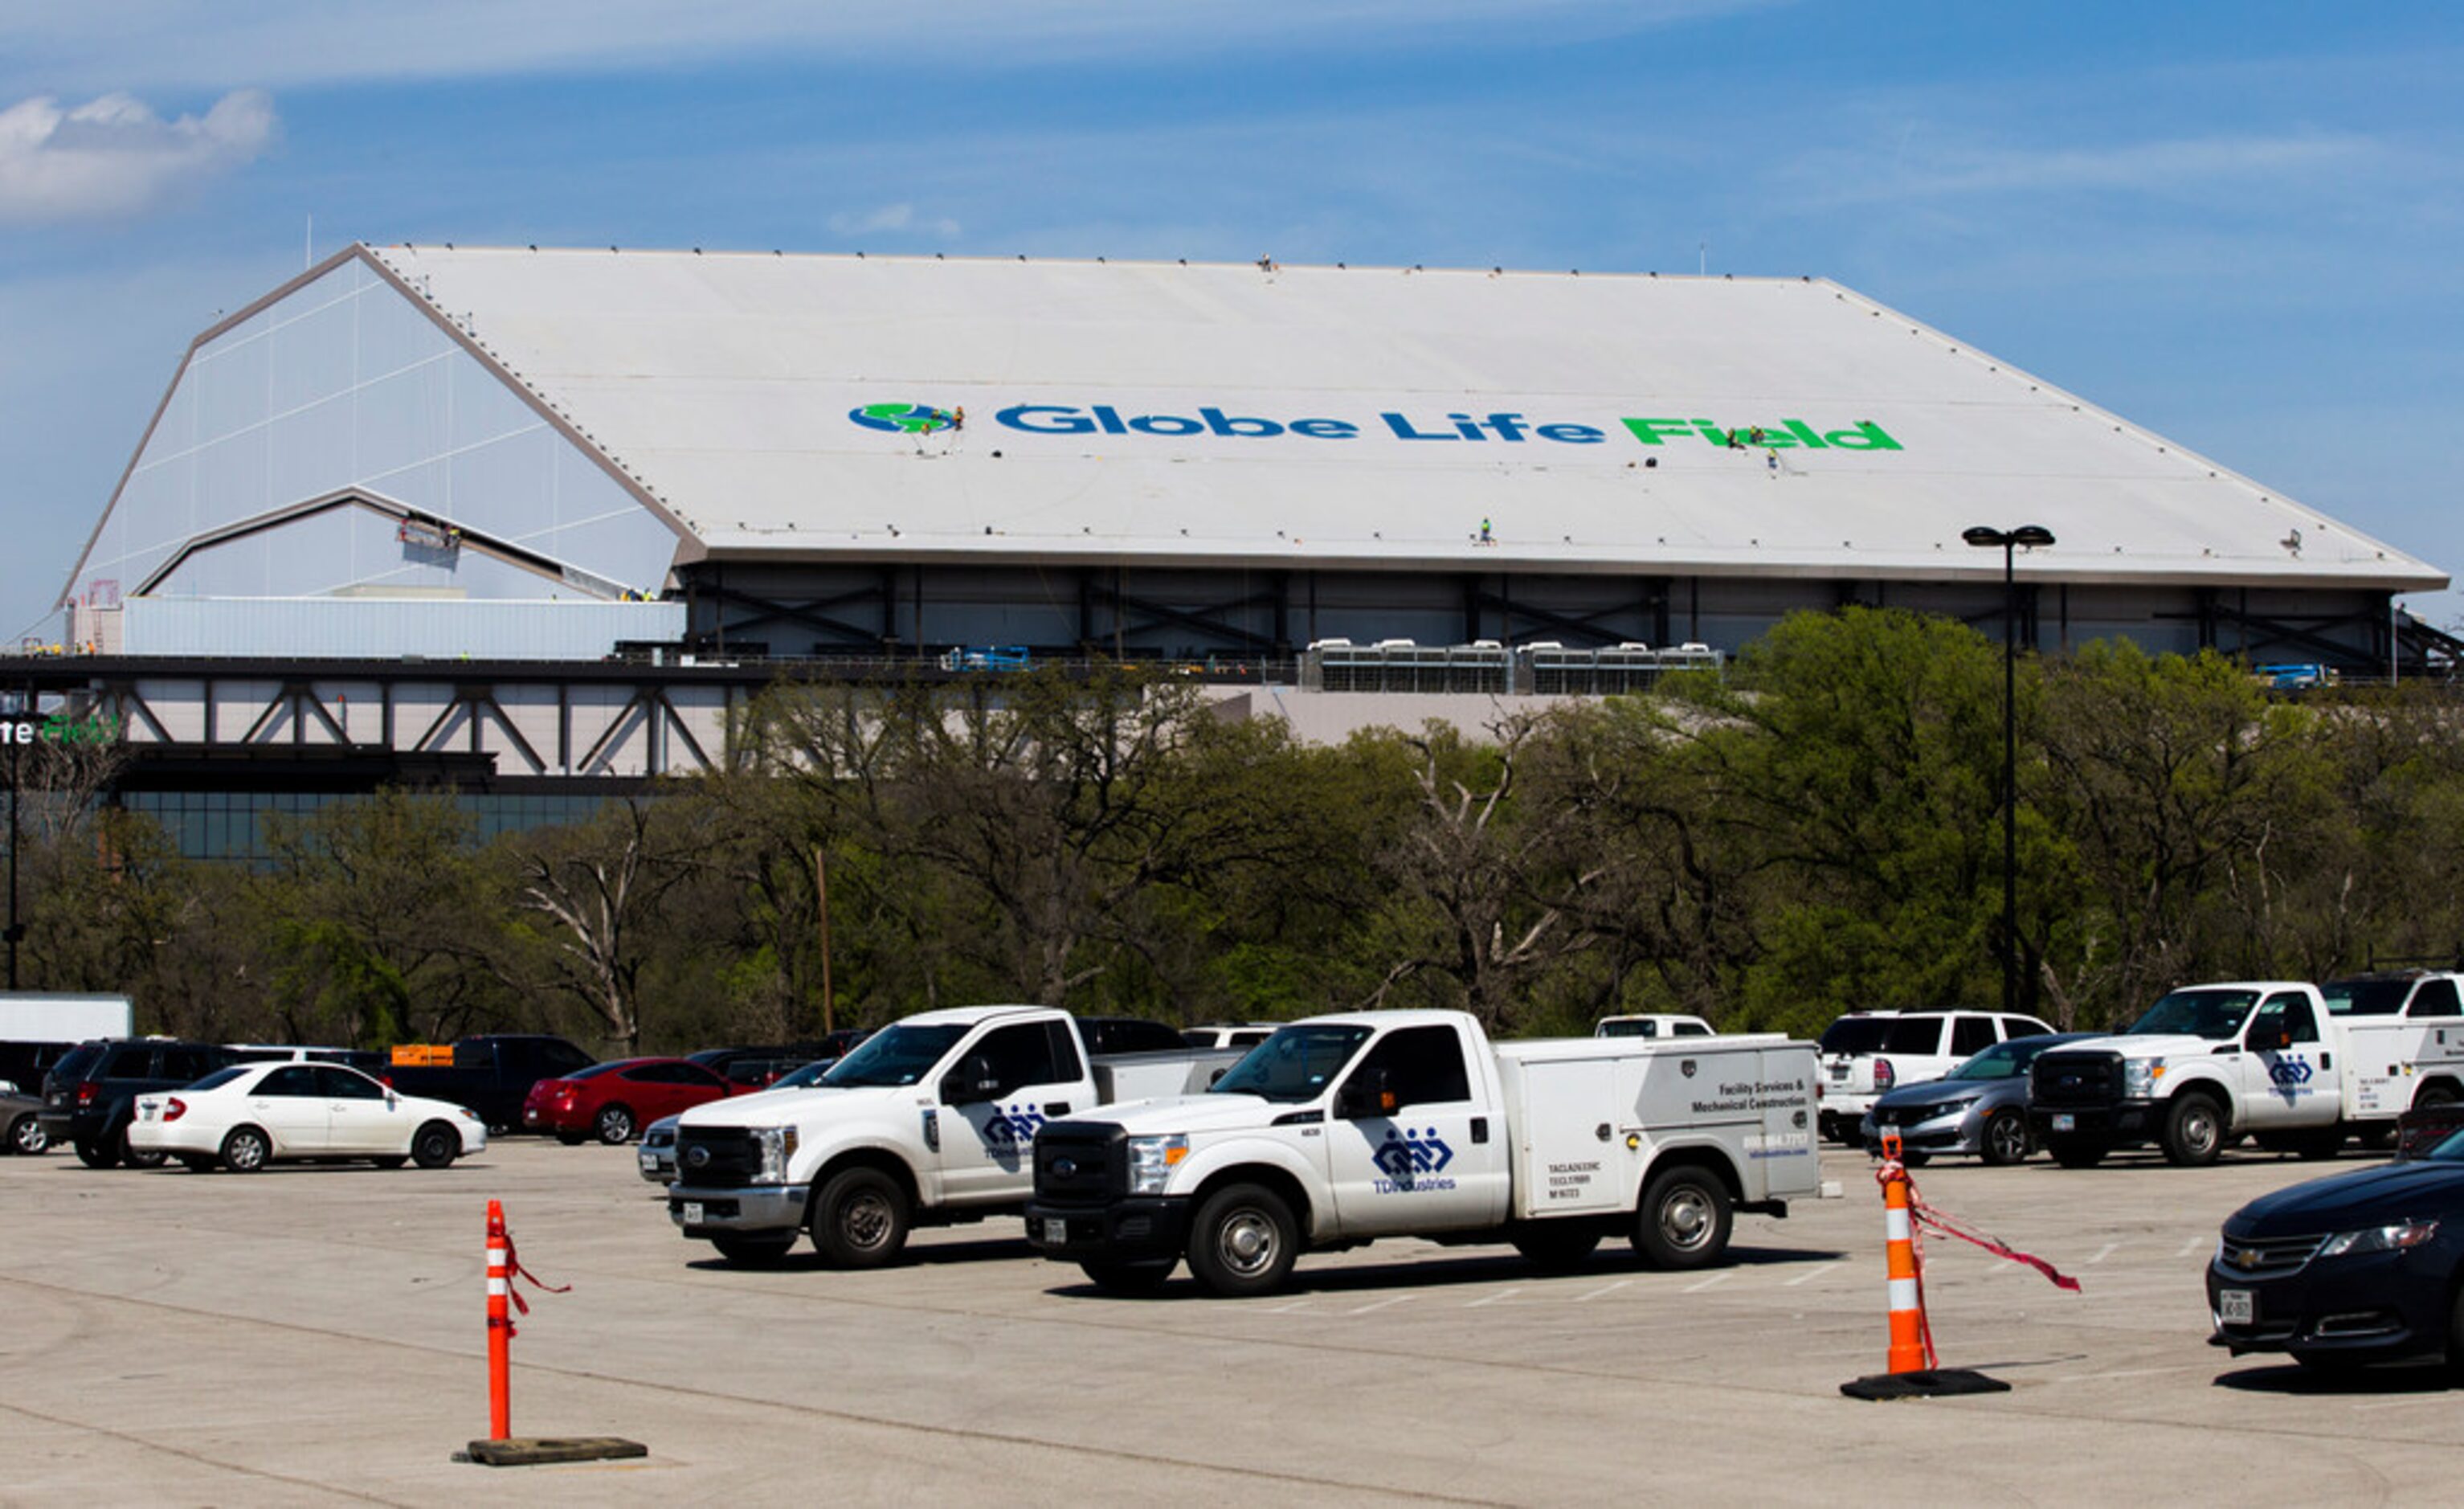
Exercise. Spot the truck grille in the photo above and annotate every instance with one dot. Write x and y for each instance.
(2265, 1257)
(1081, 1161)
(2089, 1078)
(715, 1157)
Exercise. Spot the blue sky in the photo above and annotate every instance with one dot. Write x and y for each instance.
(2238, 224)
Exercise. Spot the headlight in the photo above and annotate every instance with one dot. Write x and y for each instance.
(2378, 1239)
(775, 1148)
(2138, 1077)
(1151, 1160)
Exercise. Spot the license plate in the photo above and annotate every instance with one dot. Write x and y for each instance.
(693, 1212)
(2234, 1306)
(2065, 1121)
(1052, 1230)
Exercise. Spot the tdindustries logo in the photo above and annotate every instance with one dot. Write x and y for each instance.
(904, 419)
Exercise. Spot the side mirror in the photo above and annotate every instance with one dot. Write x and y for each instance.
(1366, 1094)
(971, 1083)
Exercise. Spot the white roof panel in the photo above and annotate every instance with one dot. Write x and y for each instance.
(1243, 415)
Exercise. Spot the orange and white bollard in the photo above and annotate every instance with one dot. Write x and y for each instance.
(1908, 1341)
(500, 1326)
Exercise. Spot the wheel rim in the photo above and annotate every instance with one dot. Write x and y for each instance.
(246, 1153)
(28, 1137)
(2199, 1131)
(1247, 1242)
(615, 1125)
(1686, 1219)
(864, 1221)
(2008, 1138)
(431, 1148)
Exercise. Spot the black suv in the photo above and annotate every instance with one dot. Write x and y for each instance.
(88, 1094)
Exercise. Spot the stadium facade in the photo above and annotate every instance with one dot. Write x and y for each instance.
(442, 488)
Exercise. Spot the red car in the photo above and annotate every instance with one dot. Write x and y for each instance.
(614, 1099)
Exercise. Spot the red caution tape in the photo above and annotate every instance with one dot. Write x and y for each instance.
(515, 1273)
(1925, 1218)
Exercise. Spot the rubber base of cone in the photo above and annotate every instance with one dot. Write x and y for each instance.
(533, 1451)
(1933, 1383)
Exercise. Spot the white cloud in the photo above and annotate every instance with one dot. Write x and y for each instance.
(114, 156)
(893, 220)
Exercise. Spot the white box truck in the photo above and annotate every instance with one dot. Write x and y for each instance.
(34, 1017)
(1340, 1131)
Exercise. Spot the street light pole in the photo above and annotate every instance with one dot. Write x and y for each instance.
(2009, 541)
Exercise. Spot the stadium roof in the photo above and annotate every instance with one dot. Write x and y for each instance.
(803, 407)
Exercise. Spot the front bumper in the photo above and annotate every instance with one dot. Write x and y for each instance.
(658, 1164)
(1137, 1229)
(753, 1207)
(2377, 1307)
(2120, 1121)
(1956, 1131)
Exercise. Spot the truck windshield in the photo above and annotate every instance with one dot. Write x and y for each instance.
(2366, 997)
(1295, 1064)
(2004, 1061)
(2211, 1014)
(895, 1055)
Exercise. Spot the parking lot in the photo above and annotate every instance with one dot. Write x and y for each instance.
(314, 1334)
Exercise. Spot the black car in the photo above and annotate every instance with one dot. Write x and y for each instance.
(2351, 1269)
(88, 1096)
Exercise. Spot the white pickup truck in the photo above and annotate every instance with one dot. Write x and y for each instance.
(2269, 1059)
(1342, 1129)
(927, 1122)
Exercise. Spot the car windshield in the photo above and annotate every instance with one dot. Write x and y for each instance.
(2211, 1014)
(222, 1077)
(895, 1055)
(1856, 1034)
(2003, 1060)
(2366, 997)
(1295, 1064)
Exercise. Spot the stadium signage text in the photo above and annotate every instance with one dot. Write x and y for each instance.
(1454, 427)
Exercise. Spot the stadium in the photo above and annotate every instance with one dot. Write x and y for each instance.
(526, 521)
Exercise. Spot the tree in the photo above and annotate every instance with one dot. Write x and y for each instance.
(600, 884)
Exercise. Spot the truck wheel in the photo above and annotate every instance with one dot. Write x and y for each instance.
(1144, 1278)
(1683, 1221)
(436, 1145)
(26, 1134)
(97, 1155)
(1244, 1241)
(615, 1125)
(755, 1252)
(2194, 1130)
(860, 1218)
(2076, 1152)
(1557, 1246)
(2005, 1140)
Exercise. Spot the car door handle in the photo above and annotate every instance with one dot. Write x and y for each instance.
(2326, 1060)
(1480, 1128)
(1056, 1108)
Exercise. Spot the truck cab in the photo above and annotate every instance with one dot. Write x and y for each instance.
(928, 1121)
(2205, 1064)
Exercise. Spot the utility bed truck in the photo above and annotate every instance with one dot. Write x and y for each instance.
(926, 1123)
(1339, 1130)
(2268, 1059)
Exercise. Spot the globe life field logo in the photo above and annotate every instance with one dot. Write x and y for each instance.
(1504, 426)
(904, 419)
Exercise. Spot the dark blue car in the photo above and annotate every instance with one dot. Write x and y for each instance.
(2351, 1269)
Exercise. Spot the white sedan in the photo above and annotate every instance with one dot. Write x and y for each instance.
(251, 1115)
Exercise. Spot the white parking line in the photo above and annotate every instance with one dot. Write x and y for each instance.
(1597, 1292)
(2196, 1244)
(1503, 1293)
(1379, 1304)
(1809, 1275)
(2127, 1372)
(1715, 1278)
(2104, 1252)
(1287, 1309)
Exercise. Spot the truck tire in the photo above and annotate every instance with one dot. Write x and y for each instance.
(860, 1218)
(2194, 1130)
(1244, 1241)
(754, 1252)
(97, 1155)
(1557, 1246)
(2077, 1152)
(2004, 1141)
(1684, 1219)
(1143, 1278)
